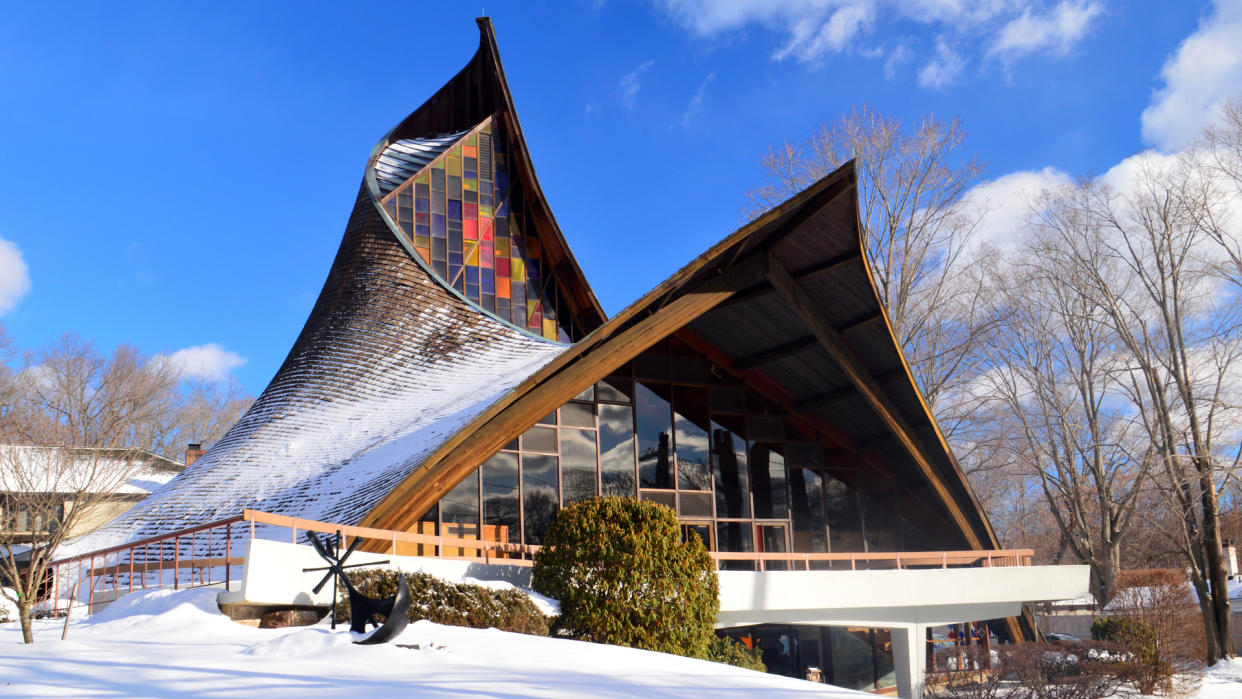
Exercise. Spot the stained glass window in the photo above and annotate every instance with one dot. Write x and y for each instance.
(465, 216)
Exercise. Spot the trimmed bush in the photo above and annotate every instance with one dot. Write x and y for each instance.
(730, 651)
(623, 576)
(453, 604)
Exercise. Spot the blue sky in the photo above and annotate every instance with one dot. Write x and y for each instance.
(177, 176)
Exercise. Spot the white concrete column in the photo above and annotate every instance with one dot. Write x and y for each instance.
(910, 659)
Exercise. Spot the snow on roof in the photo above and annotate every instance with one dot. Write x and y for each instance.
(76, 469)
(389, 365)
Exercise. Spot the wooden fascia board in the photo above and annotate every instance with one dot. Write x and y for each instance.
(853, 368)
(992, 540)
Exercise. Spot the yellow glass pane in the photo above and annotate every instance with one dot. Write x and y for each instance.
(472, 140)
(470, 185)
(549, 329)
(517, 268)
(485, 211)
(423, 178)
(502, 247)
(454, 166)
(472, 259)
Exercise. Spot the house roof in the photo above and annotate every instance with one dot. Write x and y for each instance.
(81, 469)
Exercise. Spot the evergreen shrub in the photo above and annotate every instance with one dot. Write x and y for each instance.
(452, 604)
(623, 576)
(731, 651)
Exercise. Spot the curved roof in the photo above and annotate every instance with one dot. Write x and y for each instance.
(788, 302)
(398, 387)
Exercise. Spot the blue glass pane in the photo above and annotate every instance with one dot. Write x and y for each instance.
(437, 226)
(422, 204)
(472, 175)
(472, 275)
(454, 209)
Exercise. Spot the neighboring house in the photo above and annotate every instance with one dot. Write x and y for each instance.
(117, 478)
(458, 377)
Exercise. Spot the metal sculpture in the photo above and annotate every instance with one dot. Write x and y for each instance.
(362, 609)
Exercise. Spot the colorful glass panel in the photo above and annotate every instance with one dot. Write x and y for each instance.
(463, 214)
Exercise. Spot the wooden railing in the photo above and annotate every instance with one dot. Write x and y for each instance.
(203, 555)
(881, 561)
(191, 557)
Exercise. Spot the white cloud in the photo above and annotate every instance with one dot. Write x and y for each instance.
(14, 278)
(1002, 204)
(896, 58)
(1056, 31)
(696, 102)
(943, 69)
(812, 36)
(632, 82)
(815, 28)
(209, 361)
(1205, 70)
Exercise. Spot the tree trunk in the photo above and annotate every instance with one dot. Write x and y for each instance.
(23, 613)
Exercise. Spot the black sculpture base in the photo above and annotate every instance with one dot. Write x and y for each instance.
(395, 609)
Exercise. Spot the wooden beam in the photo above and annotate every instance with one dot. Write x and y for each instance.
(751, 361)
(867, 385)
(402, 507)
(823, 268)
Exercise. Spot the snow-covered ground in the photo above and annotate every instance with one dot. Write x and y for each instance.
(166, 643)
(1223, 681)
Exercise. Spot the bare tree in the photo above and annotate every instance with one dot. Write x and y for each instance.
(45, 492)
(1052, 371)
(1217, 162)
(1134, 255)
(84, 422)
(916, 231)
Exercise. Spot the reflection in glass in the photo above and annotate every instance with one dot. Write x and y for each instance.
(694, 504)
(577, 415)
(772, 540)
(500, 499)
(693, 447)
(842, 517)
(654, 429)
(539, 439)
(729, 466)
(852, 657)
(886, 674)
(616, 449)
(539, 495)
(616, 389)
(577, 466)
(459, 509)
(767, 479)
(736, 537)
(806, 495)
(666, 498)
(879, 520)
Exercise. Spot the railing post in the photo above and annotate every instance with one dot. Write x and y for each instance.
(90, 601)
(176, 562)
(131, 570)
(228, 555)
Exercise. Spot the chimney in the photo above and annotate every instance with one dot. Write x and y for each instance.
(192, 452)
